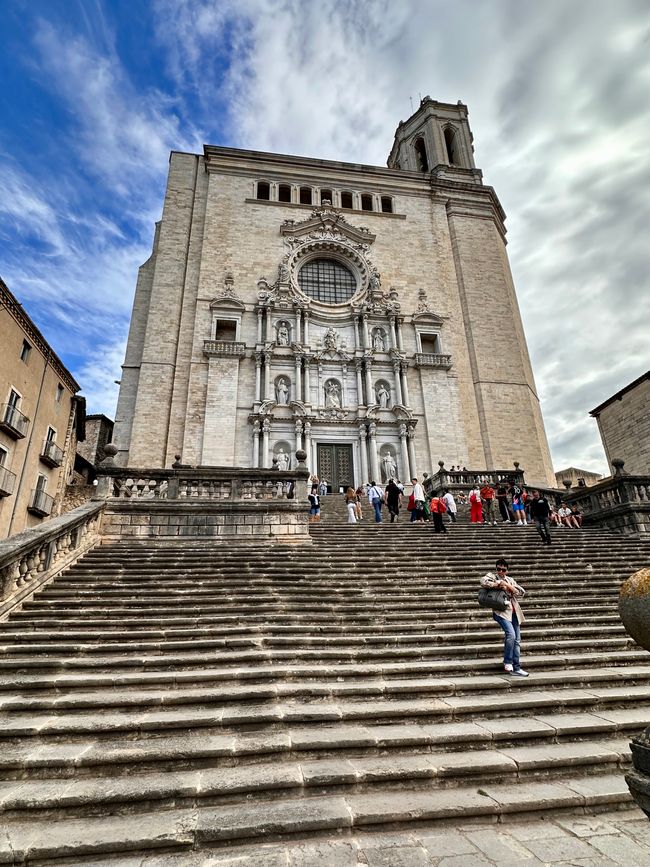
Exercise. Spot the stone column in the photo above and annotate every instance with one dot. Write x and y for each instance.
(306, 327)
(356, 333)
(405, 388)
(405, 476)
(398, 384)
(297, 337)
(310, 462)
(411, 445)
(256, 443)
(366, 336)
(298, 429)
(363, 450)
(398, 323)
(297, 394)
(267, 377)
(307, 382)
(369, 392)
(266, 432)
(374, 462)
(258, 376)
(357, 364)
(393, 336)
(259, 325)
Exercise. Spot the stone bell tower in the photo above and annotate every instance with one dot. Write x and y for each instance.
(436, 137)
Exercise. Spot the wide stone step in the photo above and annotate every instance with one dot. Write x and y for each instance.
(266, 779)
(183, 830)
(203, 709)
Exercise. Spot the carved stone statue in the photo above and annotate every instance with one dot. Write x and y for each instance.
(378, 341)
(283, 334)
(383, 395)
(332, 394)
(388, 467)
(330, 339)
(282, 391)
(283, 460)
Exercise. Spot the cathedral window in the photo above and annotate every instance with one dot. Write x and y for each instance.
(327, 280)
(430, 344)
(421, 155)
(451, 143)
(305, 195)
(366, 202)
(263, 190)
(346, 200)
(386, 205)
(226, 330)
(326, 195)
(284, 193)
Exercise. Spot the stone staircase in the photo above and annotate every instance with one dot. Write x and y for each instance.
(184, 698)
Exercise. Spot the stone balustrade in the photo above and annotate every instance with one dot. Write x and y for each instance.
(229, 348)
(30, 558)
(433, 359)
(465, 480)
(620, 503)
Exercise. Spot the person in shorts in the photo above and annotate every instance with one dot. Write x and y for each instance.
(518, 508)
(314, 504)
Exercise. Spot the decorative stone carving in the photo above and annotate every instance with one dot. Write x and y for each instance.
(333, 394)
(282, 391)
(379, 340)
(282, 333)
(282, 459)
(331, 339)
(388, 465)
(382, 393)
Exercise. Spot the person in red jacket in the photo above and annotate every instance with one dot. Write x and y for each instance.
(487, 497)
(475, 506)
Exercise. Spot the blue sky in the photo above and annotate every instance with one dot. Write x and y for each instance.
(96, 92)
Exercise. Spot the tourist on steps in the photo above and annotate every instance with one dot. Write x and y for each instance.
(314, 504)
(351, 504)
(518, 504)
(393, 499)
(509, 620)
(419, 502)
(448, 499)
(540, 510)
(376, 498)
(475, 506)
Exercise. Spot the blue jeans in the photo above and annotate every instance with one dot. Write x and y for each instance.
(376, 504)
(512, 643)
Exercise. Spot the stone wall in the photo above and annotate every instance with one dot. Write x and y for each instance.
(624, 426)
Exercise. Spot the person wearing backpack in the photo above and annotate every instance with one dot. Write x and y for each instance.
(438, 508)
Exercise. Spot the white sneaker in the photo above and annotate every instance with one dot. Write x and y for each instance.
(495, 523)
(519, 672)
(507, 667)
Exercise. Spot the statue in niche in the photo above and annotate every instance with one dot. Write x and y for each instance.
(383, 395)
(330, 339)
(378, 343)
(283, 334)
(282, 391)
(332, 394)
(282, 460)
(388, 467)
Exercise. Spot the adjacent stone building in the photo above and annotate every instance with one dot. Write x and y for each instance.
(577, 477)
(365, 314)
(624, 426)
(38, 415)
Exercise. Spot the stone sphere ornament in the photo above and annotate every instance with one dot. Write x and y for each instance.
(301, 456)
(634, 608)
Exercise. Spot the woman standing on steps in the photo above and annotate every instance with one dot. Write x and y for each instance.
(351, 504)
(509, 620)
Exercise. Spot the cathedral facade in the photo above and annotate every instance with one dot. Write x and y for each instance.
(364, 314)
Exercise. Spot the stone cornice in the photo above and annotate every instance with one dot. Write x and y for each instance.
(17, 312)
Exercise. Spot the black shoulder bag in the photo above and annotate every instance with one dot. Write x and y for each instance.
(492, 597)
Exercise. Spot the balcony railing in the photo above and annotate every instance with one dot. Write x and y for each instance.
(13, 422)
(51, 454)
(433, 359)
(229, 348)
(7, 482)
(40, 503)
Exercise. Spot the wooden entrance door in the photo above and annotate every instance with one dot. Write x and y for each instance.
(335, 465)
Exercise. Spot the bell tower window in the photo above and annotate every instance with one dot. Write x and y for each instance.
(386, 205)
(284, 193)
(366, 202)
(451, 144)
(326, 195)
(421, 155)
(346, 200)
(263, 190)
(305, 195)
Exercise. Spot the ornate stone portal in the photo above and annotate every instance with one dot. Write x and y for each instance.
(345, 368)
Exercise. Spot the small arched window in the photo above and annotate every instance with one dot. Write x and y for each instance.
(366, 202)
(451, 144)
(346, 200)
(421, 155)
(326, 195)
(263, 190)
(284, 193)
(305, 195)
(386, 205)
